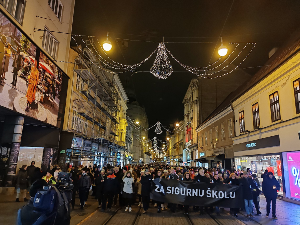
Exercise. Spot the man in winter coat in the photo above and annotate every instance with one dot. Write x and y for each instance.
(30, 172)
(84, 185)
(109, 190)
(247, 194)
(271, 186)
(201, 178)
(146, 182)
(21, 183)
(255, 192)
(99, 186)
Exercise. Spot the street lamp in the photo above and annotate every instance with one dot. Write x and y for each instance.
(168, 139)
(107, 44)
(137, 122)
(144, 138)
(177, 124)
(222, 51)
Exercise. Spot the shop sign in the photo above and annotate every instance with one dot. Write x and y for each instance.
(257, 144)
(202, 154)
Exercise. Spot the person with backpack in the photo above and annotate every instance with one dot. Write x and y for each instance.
(127, 194)
(84, 185)
(22, 184)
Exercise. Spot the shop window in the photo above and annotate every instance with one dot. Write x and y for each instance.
(255, 112)
(275, 109)
(57, 8)
(242, 121)
(15, 7)
(297, 94)
(222, 131)
(230, 127)
(216, 133)
(50, 43)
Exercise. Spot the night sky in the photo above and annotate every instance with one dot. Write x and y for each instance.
(145, 22)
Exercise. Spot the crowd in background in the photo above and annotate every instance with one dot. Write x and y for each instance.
(132, 184)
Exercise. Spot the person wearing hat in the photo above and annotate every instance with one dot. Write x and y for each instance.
(84, 185)
(49, 178)
(271, 186)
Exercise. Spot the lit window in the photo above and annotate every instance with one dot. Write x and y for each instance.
(210, 137)
(255, 112)
(275, 109)
(50, 43)
(57, 8)
(216, 133)
(242, 121)
(297, 95)
(206, 140)
(230, 127)
(222, 131)
(16, 8)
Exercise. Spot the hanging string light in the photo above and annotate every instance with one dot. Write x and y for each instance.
(162, 67)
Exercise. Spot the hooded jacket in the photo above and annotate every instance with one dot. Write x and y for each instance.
(271, 186)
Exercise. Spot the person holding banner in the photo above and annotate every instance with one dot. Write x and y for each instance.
(160, 205)
(234, 181)
(216, 180)
(201, 178)
(186, 178)
(146, 182)
(172, 176)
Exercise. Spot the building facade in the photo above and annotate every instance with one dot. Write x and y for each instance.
(95, 118)
(267, 119)
(34, 82)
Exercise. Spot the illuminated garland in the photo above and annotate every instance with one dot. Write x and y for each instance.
(162, 67)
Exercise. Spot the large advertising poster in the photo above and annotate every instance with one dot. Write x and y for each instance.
(293, 162)
(29, 82)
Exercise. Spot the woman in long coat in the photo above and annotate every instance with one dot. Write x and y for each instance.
(33, 79)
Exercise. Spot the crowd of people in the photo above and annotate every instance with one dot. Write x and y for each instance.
(133, 184)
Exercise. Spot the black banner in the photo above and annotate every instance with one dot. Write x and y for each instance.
(197, 194)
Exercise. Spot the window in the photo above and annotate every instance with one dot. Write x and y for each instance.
(255, 113)
(50, 44)
(210, 137)
(15, 7)
(205, 135)
(274, 104)
(57, 8)
(230, 127)
(242, 121)
(222, 131)
(297, 94)
(216, 133)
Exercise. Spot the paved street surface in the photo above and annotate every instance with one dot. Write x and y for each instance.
(287, 213)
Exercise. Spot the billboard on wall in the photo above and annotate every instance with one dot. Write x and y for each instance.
(29, 82)
(291, 165)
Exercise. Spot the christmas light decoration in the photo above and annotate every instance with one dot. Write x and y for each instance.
(158, 128)
(162, 67)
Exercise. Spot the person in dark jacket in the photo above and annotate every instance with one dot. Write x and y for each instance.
(234, 181)
(201, 178)
(186, 177)
(30, 171)
(159, 204)
(22, 184)
(271, 186)
(84, 185)
(37, 174)
(216, 180)
(173, 176)
(99, 186)
(255, 192)
(119, 176)
(109, 190)
(146, 182)
(247, 194)
(75, 179)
